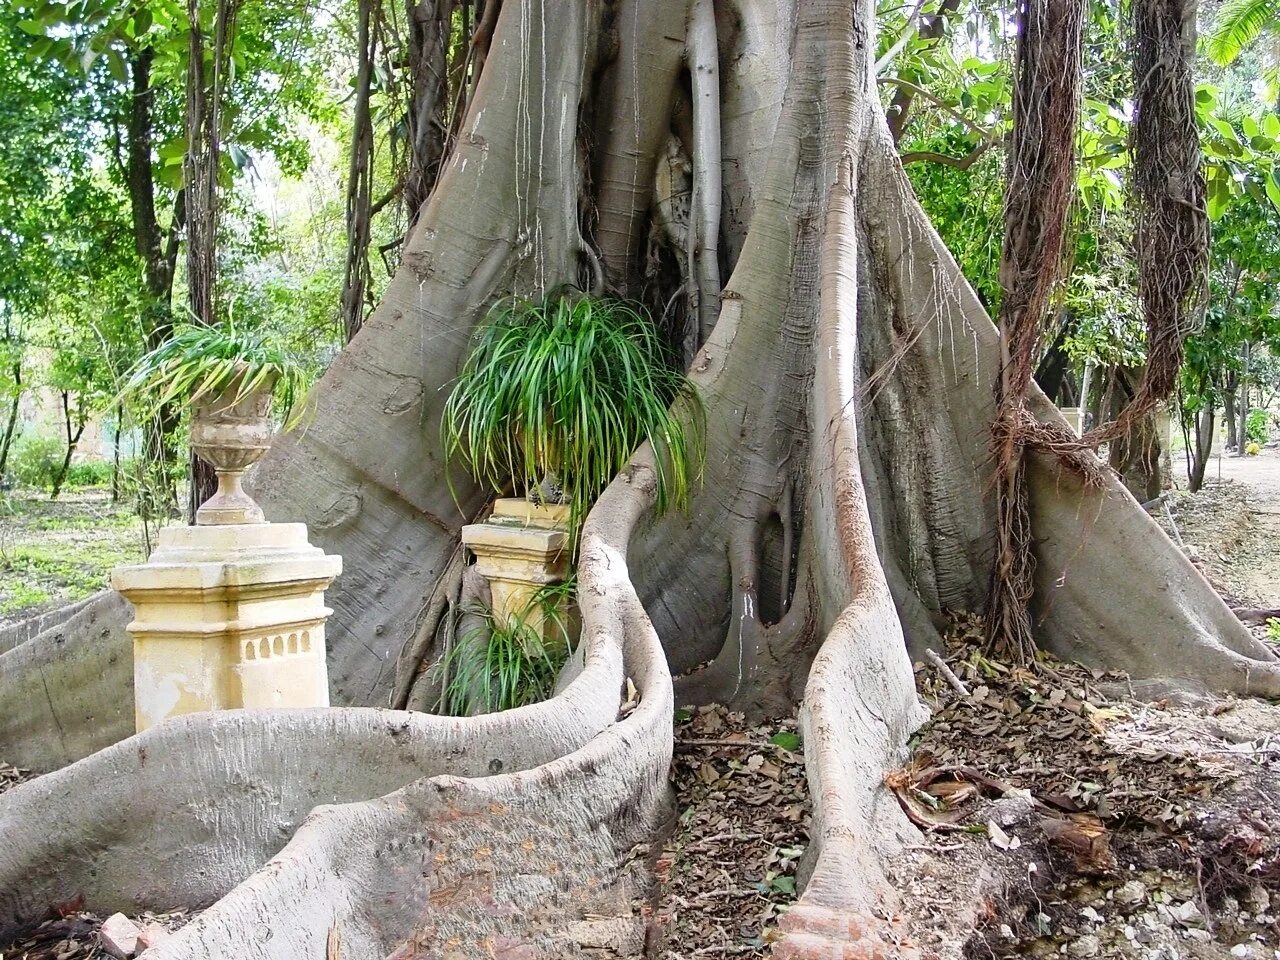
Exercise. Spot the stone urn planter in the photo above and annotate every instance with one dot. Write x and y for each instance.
(231, 429)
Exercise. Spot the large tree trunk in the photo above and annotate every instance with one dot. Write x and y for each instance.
(846, 509)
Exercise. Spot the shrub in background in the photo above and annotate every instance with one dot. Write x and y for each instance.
(1256, 428)
(90, 473)
(35, 461)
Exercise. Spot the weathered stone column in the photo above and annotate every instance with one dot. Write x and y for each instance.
(229, 613)
(522, 548)
(228, 616)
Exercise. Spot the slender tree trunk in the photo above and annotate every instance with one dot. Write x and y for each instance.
(1038, 195)
(1053, 373)
(1242, 422)
(1137, 453)
(159, 257)
(429, 28)
(1203, 449)
(73, 435)
(1088, 409)
(1229, 390)
(11, 423)
(115, 454)
(360, 176)
(207, 71)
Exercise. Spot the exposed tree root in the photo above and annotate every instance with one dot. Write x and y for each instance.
(848, 387)
(180, 814)
(67, 689)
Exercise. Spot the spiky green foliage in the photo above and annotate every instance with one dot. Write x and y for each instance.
(1237, 24)
(570, 387)
(199, 360)
(507, 663)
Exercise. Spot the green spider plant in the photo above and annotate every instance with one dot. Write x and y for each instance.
(567, 389)
(506, 662)
(201, 360)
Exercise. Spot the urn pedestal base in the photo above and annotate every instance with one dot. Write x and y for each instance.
(521, 549)
(226, 617)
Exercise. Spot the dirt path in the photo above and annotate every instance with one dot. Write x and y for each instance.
(1258, 558)
(1231, 527)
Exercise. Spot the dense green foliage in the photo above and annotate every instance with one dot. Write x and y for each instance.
(92, 237)
(566, 389)
(952, 142)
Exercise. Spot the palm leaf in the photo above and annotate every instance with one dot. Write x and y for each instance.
(1237, 24)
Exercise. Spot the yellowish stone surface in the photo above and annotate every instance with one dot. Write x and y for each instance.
(226, 617)
(523, 548)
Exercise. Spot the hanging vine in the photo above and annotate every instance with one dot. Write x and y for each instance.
(1167, 193)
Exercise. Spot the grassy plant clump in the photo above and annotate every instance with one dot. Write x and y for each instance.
(568, 388)
(201, 360)
(506, 663)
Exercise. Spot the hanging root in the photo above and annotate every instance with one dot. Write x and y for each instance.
(1168, 193)
(1041, 184)
(704, 258)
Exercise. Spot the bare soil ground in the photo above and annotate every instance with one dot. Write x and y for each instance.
(54, 552)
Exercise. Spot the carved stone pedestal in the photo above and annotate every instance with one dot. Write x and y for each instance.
(228, 616)
(521, 549)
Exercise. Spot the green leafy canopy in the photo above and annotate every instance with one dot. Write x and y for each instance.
(1237, 24)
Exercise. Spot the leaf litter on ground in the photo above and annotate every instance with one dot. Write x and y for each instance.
(72, 934)
(1064, 816)
(728, 868)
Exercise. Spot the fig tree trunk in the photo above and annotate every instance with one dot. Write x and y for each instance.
(846, 508)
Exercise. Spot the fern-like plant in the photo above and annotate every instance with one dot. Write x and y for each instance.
(1237, 24)
(201, 360)
(568, 388)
